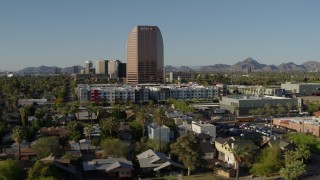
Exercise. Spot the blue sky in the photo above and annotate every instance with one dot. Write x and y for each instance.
(66, 33)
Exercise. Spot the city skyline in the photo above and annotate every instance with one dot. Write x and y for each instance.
(64, 34)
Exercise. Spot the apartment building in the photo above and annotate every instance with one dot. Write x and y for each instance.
(106, 94)
(153, 132)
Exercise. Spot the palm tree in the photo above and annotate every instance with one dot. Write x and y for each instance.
(74, 108)
(235, 111)
(109, 124)
(280, 109)
(17, 135)
(141, 118)
(24, 116)
(90, 109)
(289, 106)
(239, 152)
(159, 118)
(89, 130)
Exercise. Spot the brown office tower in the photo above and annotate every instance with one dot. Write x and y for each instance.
(145, 55)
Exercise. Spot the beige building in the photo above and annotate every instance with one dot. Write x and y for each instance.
(113, 69)
(102, 67)
(145, 55)
(88, 67)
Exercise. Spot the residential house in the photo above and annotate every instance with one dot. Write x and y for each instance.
(150, 160)
(224, 147)
(206, 128)
(62, 164)
(111, 167)
(54, 131)
(207, 150)
(184, 128)
(285, 145)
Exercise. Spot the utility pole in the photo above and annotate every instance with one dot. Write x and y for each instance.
(271, 121)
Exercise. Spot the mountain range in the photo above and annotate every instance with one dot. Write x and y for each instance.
(241, 66)
(46, 70)
(253, 64)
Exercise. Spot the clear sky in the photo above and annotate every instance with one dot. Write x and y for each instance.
(195, 32)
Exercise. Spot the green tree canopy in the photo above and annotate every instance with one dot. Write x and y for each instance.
(76, 130)
(188, 151)
(11, 170)
(41, 171)
(113, 147)
(269, 161)
(44, 146)
(293, 166)
(301, 139)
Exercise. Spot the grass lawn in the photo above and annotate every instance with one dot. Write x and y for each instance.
(203, 177)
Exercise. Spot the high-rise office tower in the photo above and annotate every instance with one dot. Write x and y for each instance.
(102, 67)
(113, 69)
(145, 55)
(88, 67)
(116, 69)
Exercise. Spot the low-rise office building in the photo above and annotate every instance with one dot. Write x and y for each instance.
(301, 88)
(300, 124)
(241, 104)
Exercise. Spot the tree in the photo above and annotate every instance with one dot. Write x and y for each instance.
(280, 109)
(74, 108)
(11, 170)
(155, 145)
(44, 146)
(76, 130)
(235, 111)
(188, 151)
(141, 118)
(91, 110)
(18, 136)
(293, 167)
(113, 147)
(159, 118)
(269, 161)
(239, 152)
(3, 128)
(109, 125)
(89, 130)
(308, 140)
(268, 109)
(303, 152)
(41, 171)
(24, 116)
(292, 171)
(39, 113)
(289, 106)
